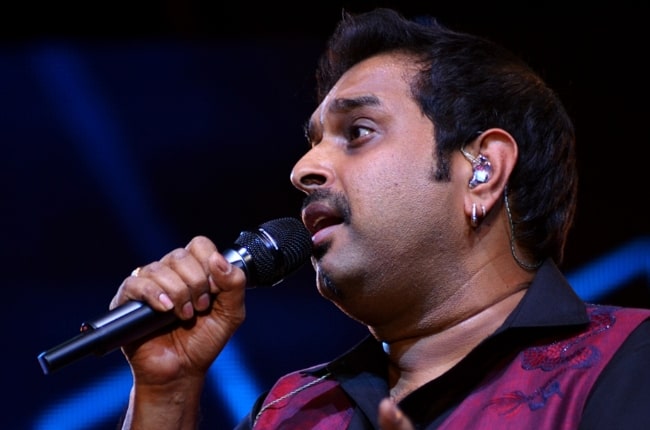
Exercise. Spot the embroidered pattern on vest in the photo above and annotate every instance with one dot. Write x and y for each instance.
(558, 357)
(546, 386)
(509, 403)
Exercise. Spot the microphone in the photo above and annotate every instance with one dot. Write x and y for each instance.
(267, 256)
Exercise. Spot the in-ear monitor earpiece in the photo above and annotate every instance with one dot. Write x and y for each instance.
(481, 168)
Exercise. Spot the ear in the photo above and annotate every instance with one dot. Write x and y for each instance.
(485, 193)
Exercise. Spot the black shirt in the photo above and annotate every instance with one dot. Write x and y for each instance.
(620, 399)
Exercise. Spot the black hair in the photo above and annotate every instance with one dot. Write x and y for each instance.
(466, 84)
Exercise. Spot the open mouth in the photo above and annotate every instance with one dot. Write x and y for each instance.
(317, 216)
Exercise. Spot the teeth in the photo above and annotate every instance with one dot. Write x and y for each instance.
(317, 221)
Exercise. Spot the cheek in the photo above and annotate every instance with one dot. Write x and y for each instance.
(392, 187)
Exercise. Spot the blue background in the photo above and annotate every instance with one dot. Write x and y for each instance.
(126, 130)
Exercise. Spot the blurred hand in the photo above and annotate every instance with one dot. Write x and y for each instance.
(392, 418)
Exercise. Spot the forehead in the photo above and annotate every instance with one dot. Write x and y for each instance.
(380, 80)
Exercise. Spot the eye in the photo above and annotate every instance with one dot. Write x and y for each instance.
(358, 134)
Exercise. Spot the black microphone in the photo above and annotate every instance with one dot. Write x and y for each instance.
(267, 256)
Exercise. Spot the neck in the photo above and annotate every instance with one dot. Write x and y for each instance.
(415, 361)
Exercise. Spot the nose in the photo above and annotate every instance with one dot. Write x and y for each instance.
(312, 171)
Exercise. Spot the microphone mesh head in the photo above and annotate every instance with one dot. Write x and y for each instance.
(278, 248)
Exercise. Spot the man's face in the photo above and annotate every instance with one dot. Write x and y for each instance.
(378, 219)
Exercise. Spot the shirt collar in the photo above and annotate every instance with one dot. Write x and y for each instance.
(550, 301)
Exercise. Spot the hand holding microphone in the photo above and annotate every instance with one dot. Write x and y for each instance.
(193, 280)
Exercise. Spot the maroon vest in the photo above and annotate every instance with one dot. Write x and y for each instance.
(544, 387)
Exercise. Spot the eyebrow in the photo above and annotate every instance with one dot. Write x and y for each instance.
(346, 105)
(342, 105)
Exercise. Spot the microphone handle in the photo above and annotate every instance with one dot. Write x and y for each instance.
(120, 326)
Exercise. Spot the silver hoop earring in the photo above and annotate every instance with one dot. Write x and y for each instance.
(474, 219)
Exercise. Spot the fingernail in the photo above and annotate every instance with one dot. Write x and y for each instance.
(165, 301)
(188, 310)
(203, 302)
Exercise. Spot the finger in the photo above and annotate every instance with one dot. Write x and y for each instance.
(162, 288)
(178, 281)
(391, 417)
(138, 287)
(221, 274)
(191, 265)
(224, 276)
(228, 286)
(182, 280)
(201, 248)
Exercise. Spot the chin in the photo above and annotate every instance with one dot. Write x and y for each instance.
(326, 285)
